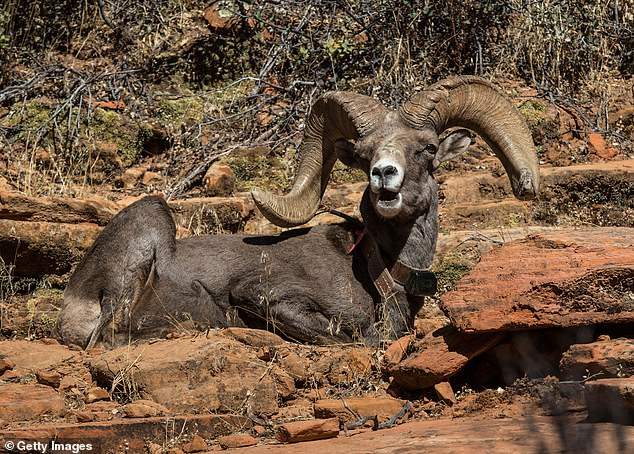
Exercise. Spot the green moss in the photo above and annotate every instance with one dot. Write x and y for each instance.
(110, 126)
(532, 110)
(260, 171)
(27, 118)
(175, 113)
(451, 269)
(343, 174)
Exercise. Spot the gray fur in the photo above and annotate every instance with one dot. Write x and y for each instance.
(301, 284)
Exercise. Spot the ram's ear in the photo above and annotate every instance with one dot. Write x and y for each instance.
(452, 146)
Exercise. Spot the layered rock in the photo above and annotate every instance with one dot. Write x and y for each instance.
(557, 278)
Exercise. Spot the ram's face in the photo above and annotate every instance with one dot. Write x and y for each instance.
(400, 165)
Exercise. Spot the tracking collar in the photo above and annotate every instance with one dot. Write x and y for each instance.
(417, 283)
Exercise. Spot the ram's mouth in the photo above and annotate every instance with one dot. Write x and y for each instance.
(388, 203)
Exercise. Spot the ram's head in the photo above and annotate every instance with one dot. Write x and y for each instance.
(400, 149)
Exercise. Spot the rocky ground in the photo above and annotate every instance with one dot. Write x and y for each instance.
(528, 346)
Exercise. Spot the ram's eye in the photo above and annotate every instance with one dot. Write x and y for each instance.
(431, 148)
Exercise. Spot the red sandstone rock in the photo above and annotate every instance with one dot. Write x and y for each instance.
(351, 409)
(5, 365)
(472, 435)
(49, 378)
(95, 394)
(552, 279)
(144, 409)
(295, 410)
(253, 337)
(608, 358)
(438, 356)
(598, 146)
(196, 444)
(219, 180)
(316, 429)
(129, 435)
(35, 356)
(445, 392)
(200, 374)
(611, 399)
(343, 365)
(37, 248)
(69, 210)
(22, 402)
(396, 351)
(236, 441)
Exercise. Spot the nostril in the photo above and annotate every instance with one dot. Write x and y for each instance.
(389, 171)
(376, 172)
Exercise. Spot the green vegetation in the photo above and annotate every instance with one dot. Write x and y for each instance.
(451, 268)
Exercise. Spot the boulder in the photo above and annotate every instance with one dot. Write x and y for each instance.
(438, 356)
(611, 400)
(196, 374)
(96, 394)
(605, 358)
(129, 435)
(212, 214)
(5, 365)
(37, 248)
(144, 409)
(23, 402)
(342, 365)
(236, 441)
(520, 434)
(558, 278)
(316, 429)
(50, 378)
(445, 393)
(252, 337)
(196, 444)
(397, 350)
(36, 356)
(219, 180)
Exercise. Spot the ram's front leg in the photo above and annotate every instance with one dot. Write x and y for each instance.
(395, 316)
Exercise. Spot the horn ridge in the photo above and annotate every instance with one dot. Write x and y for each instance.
(335, 115)
(475, 103)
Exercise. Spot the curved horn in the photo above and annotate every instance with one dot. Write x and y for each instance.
(336, 115)
(474, 103)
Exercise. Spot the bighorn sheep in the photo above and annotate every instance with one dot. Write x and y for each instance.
(137, 278)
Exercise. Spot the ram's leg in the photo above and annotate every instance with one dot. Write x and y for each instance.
(124, 258)
(288, 310)
(395, 317)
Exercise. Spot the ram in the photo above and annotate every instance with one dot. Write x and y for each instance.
(305, 284)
